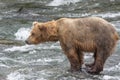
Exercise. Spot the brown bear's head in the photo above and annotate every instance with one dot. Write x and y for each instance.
(42, 32)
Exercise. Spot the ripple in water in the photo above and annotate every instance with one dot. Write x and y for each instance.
(114, 68)
(20, 48)
(62, 2)
(108, 15)
(32, 47)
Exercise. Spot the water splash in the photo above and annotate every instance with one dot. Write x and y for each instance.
(15, 76)
(62, 2)
(22, 34)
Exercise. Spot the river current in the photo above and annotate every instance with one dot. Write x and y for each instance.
(46, 61)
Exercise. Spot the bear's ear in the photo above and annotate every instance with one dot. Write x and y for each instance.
(42, 28)
(34, 23)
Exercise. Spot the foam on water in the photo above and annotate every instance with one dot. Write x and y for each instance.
(12, 60)
(49, 47)
(41, 79)
(22, 34)
(32, 47)
(106, 77)
(21, 75)
(3, 65)
(15, 76)
(62, 2)
(20, 48)
(74, 15)
(108, 15)
(57, 59)
(114, 68)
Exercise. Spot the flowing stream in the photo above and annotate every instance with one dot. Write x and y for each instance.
(46, 61)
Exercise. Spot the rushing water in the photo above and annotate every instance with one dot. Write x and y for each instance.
(19, 61)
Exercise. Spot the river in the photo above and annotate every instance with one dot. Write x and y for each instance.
(46, 61)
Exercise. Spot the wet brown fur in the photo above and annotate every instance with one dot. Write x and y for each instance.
(76, 36)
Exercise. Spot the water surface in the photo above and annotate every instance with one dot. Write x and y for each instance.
(19, 61)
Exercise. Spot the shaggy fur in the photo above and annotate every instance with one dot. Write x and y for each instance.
(76, 36)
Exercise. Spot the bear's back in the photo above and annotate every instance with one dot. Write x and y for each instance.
(86, 32)
(90, 26)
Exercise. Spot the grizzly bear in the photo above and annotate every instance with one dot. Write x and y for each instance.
(78, 35)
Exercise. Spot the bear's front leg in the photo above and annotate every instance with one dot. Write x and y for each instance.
(74, 60)
(72, 55)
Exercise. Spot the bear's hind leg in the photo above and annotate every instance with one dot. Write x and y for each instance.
(101, 57)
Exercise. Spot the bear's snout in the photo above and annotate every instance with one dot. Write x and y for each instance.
(31, 41)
